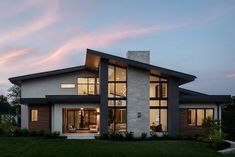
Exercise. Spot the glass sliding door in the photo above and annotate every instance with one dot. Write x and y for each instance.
(79, 119)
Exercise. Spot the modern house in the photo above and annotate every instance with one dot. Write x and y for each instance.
(114, 94)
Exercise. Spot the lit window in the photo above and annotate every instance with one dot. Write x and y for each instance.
(158, 120)
(34, 115)
(88, 86)
(192, 117)
(196, 116)
(200, 117)
(117, 93)
(67, 85)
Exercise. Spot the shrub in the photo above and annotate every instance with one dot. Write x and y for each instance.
(20, 132)
(7, 127)
(165, 135)
(154, 136)
(211, 126)
(143, 135)
(53, 135)
(116, 136)
(104, 136)
(33, 133)
(129, 136)
(213, 135)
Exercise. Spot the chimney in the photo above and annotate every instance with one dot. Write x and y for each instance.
(140, 56)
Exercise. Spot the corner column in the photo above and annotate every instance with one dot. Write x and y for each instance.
(103, 74)
(173, 106)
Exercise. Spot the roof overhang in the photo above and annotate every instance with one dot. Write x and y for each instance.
(93, 59)
(218, 99)
(17, 80)
(53, 99)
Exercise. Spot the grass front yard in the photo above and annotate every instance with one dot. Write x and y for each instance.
(37, 147)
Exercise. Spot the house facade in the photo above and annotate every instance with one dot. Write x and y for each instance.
(114, 94)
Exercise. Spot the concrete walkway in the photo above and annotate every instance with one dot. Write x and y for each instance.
(229, 150)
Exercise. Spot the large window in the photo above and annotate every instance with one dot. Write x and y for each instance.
(79, 119)
(158, 87)
(88, 86)
(117, 99)
(158, 103)
(196, 116)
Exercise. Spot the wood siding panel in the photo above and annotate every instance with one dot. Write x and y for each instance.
(44, 118)
(184, 128)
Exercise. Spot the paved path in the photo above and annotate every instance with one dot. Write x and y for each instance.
(229, 150)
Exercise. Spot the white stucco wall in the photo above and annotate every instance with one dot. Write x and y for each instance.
(57, 114)
(24, 117)
(38, 88)
(214, 106)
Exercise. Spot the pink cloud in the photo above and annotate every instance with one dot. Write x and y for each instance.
(49, 17)
(17, 7)
(104, 38)
(231, 75)
(12, 55)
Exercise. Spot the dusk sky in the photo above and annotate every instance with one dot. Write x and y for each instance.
(191, 36)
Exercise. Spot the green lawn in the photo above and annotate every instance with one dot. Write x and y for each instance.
(36, 147)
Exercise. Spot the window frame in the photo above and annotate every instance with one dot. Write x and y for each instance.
(88, 84)
(31, 115)
(213, 117)
(159, 109)
(164, 81)
(114, 99)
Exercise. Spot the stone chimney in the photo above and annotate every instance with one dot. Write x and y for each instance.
(140, 56)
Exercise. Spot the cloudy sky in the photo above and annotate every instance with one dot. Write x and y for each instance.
(195, 37)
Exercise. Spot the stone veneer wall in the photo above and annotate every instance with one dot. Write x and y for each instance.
(137, 101)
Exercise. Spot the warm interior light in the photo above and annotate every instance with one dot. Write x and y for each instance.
(67, 85)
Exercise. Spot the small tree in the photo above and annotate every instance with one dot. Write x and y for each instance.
(211, 126)
(228, 119)
(213, 132)
(14, 100)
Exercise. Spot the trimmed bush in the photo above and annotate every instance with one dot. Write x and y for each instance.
(143, 135)
(154, 136)
(21, 132)
(129, 136)
(104, 136)
(116, 136)
(53, 135)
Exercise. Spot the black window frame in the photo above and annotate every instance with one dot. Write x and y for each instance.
(188, 124)
(95, 84)
(114, 99)
(160, 99)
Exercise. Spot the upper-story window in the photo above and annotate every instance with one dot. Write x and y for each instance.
(117, 82)
(88, 86)
(158, 87)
